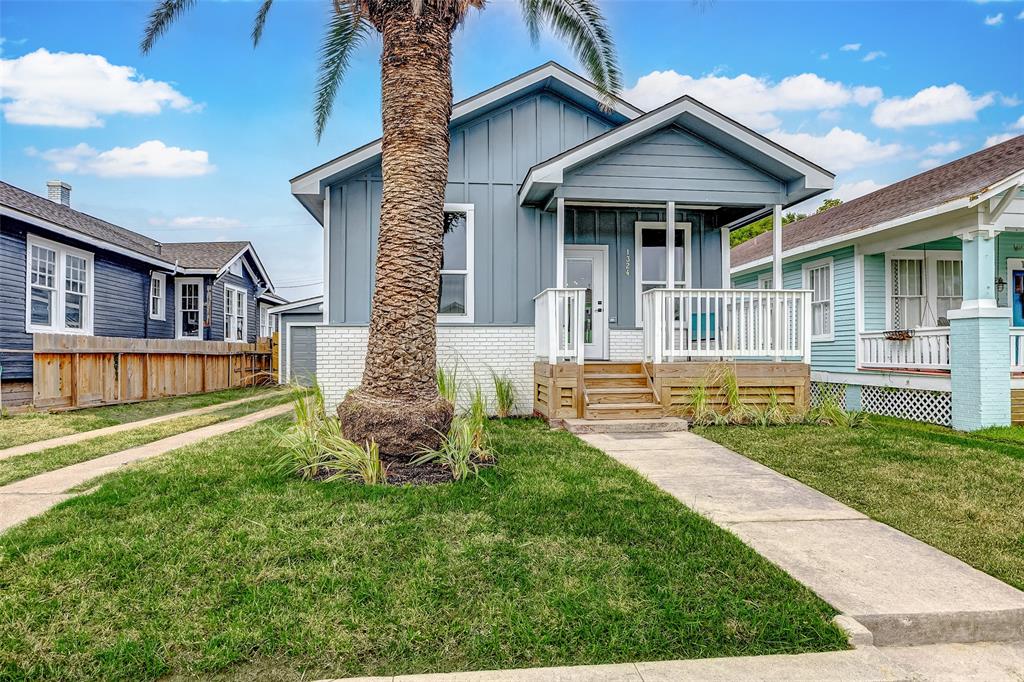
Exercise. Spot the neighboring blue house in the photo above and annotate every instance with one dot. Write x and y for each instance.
(572, 210)
(63, 271)
(918, 292)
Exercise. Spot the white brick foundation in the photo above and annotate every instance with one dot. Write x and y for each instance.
(625, 344)
(474, 351)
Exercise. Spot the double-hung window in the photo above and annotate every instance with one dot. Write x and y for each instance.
(455, 302)
(818, 278)
(59, 296)
(157, 295)
(652, 268)
(234, 314)
(189, 299)
(922, 287)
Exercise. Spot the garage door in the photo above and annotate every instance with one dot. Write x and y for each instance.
(302, 354)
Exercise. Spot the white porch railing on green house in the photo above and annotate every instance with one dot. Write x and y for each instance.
(681, 324)
(558, 324)
(1016, 349)
(924, 349)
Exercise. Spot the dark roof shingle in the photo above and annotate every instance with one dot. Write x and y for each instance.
(954, 180)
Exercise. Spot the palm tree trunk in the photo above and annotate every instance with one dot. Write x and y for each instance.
(397, 405)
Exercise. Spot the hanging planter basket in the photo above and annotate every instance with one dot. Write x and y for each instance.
(898, 334)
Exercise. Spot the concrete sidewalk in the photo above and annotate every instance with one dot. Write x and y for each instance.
(30, 497)
(953, 662)
(901, 590)
(40, 445)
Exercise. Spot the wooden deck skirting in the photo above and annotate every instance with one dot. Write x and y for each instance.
(72, 371)
(558, 389)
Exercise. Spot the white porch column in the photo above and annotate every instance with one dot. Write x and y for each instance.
(726, 259)
(979, 338)
(560, 244)
(777, 247)
(670, 243)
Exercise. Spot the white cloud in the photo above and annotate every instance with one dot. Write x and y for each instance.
(1019, 125)
(752, 100)
(1021, 15)
(944, 148)
(844, 192)
(934, 104)
(202, 221)
(149, 159)
(823, 55)
(928, 163)
(75, 90)
(850, 47)
(993, 140)
(839, 149)
(873, 55)
(994, 19)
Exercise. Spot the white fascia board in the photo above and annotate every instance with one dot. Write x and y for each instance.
(256, 259)
(295, 304)
(74, 234)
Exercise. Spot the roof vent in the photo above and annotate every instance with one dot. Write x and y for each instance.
(59, 192)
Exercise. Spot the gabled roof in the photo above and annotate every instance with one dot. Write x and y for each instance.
(803, 178)
(308, 187)
(937, 188)
(302, 303)
(187, 257)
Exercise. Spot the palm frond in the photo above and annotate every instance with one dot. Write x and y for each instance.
(532, 18)
(345, 31)
(581, 24)
(165, 13)
(261, 19)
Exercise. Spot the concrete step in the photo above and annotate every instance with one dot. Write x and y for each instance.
(628, 394)
(623, 411)
(663, 425)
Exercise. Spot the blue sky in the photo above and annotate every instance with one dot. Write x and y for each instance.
(197, 141)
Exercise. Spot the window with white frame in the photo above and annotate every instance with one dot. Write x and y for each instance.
(157, 295)
(234, 314)
(818, 278)
(652, 268)
(455, 302)
(59, 296)
(189, 297)
(266, 328)
(922, 287)
(765, 281)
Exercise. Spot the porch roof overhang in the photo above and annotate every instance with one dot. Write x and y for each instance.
(309, 187)
(801, 179)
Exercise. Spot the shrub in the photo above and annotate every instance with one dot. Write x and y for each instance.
(476, 417)
(773, 413)
(350, 461)
(456, 452)
(448, 383)
(303, 440)
(505, 391)
(830, 413)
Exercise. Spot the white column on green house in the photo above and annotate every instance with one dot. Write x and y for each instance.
(980, 338)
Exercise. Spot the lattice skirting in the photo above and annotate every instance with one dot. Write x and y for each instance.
(935, 407)
(828, 390)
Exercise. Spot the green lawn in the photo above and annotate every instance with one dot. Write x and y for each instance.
(204, 562)
(32, 426)
(959, 492)
(16, 468)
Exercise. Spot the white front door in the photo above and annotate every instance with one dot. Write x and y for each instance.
(586, 267)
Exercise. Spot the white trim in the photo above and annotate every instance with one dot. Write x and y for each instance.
(57, 310)
(178, 282)
(560, 243)
(726, 258)
(605, 346)
(285, 307)
(924, 382)
(858, 300)
(638, 281)
(765, 279)
(262, 308)
(842, 239)
(288, 342)
(777, 246)
(928, 258)
(470, 211)
(162, 278)
(326, 284)
(244, 312)
(805, 271)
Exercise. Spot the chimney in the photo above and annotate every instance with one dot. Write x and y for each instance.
(59, 192)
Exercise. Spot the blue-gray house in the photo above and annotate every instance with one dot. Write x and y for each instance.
(66, 272)
(588, 232)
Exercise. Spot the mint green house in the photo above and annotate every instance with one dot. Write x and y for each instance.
(917, 304)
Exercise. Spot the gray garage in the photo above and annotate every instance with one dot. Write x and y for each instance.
(297, 324)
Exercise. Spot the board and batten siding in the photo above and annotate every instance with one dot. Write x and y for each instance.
(672, 165)
(514, 247)
(840, 354)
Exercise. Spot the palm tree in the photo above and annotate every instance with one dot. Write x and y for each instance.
(398, 404)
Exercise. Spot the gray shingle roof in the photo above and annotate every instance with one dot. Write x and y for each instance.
(198, 255)
(954, 180)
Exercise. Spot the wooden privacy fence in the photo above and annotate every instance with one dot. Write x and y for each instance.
(80, 371)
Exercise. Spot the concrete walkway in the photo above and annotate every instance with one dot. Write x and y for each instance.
(40, 445)
(953, 662)
(30, 497)
(901, 590)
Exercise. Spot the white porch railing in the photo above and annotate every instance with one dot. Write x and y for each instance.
(1016, 349)
(726, 323)
(558, 324)
(926, 349)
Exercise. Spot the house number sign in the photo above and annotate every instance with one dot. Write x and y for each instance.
(628, 262)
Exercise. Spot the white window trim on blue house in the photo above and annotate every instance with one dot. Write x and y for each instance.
(672, 280)
(178, 283)
(158, 296)
(469, 210)
(235, 310)
(59, 288)
(806, 271)
(929, 259)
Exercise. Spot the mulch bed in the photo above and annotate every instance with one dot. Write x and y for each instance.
(401, 471)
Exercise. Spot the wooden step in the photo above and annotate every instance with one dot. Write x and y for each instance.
(623, 411)
(626, 394)
(614, 381)
(612, 368)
